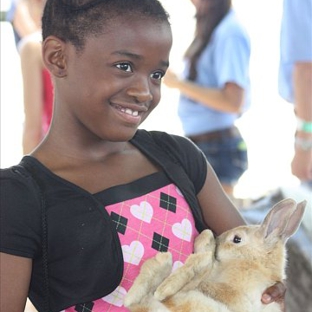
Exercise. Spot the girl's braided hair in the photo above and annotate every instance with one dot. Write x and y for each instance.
(74, 20)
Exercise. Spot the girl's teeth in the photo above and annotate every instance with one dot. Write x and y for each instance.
(130, 112)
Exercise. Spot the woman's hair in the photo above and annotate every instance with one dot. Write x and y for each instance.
(206, 22)
(74, 20)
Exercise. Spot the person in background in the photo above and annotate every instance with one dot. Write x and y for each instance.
(295, 86)
(37, 92)
(22, 22)
(99, 196)
(215, 89)
(295, 79)
(37, 85)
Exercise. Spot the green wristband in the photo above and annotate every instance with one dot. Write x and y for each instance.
(305, 126)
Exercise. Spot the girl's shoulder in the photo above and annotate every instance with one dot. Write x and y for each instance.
(178, 149)
(168, 149)
(173, 142)
(20, 211)
(16, 179)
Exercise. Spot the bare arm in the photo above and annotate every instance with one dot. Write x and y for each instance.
(230, 99)
(32, 67)
(23, 21)
(303, 90)
(14, 283)
(218, 211)
(302, 79)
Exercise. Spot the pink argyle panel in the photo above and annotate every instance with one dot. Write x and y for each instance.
(158, 221)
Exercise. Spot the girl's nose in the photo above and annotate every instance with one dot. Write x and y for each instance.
(141, 91)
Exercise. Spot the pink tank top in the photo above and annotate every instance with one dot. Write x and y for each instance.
(158, 221)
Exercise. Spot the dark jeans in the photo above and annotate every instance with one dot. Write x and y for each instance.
(227, 156)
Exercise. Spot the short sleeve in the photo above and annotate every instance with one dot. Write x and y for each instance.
(190, 157)
(20, 216)
(296, 31)
(232, 61)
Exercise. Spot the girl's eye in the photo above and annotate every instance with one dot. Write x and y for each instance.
(125, 67)
(157, 75)
(237, 239)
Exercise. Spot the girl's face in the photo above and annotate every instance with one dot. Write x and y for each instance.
(114, 83)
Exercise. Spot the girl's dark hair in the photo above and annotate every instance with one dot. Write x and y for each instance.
(206, 22)
(74, 20)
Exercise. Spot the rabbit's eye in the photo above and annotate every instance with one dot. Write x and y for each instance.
(237, 239)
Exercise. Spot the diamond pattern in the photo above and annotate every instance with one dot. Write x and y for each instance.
(160, 243)
(168, 202)
(85, 307)
(120, 222)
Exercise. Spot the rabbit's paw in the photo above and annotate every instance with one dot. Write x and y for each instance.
(164, 259)
(205, 242)
(160, 265)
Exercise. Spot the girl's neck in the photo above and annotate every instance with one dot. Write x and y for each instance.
(58, 149)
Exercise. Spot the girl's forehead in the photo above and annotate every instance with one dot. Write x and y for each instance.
(142, 26)
(125, 33)
(134, 19)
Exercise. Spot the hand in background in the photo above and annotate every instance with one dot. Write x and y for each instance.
(171, 80)
(301, 165)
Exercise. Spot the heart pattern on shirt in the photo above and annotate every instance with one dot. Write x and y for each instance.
(176, 265)
(143, 212)
(183, 230)
(133, 253)
(116, 298)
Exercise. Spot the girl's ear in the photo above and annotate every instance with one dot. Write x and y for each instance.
(53, 53)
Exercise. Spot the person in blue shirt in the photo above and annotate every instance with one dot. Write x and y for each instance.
(295, 79)
(215, 88)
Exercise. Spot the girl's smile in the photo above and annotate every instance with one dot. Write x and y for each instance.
(130, 114)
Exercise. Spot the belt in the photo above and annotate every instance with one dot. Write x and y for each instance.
(215, 135)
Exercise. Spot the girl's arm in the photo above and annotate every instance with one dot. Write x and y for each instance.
(15, 275)
(22, 21)
(218, 211)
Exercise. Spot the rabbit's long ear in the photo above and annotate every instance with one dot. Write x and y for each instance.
(294, 220)
(283, 219)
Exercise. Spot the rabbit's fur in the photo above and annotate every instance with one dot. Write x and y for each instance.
(226, 274)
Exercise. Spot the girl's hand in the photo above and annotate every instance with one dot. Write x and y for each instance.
(275, 293)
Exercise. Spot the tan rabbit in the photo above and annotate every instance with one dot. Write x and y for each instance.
(228, 274)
